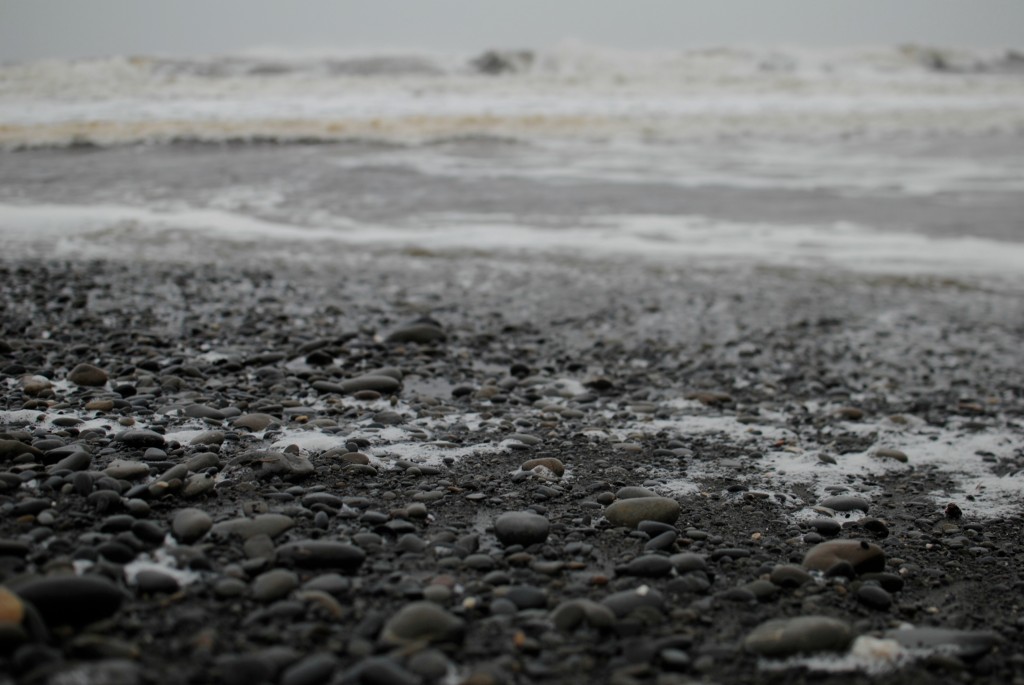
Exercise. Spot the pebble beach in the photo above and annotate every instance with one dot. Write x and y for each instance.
(304, 403)
(228, 474)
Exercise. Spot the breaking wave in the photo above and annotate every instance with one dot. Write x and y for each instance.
(572, 90)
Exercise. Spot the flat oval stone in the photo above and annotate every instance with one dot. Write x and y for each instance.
(151, 581)
(71, 600)
(9, 449)
(888, 453)
(573, 613)
(649, 566)
(212, 437)
(422, 622)
(322, 554)
(88, 375)
(255, 422)
(859, 556)
(622, 603)
(419, 332)
(275, 584)
(789, 575)
(140, 437)
(201, 411)
(874, 596)
(126, 469)
(845, 503)
(553, 465)
(684, 562)
(261, 524)
(191, 524)
(782, 637)
(382, 384)
(630, 512)
(521, 528)
(634, 491)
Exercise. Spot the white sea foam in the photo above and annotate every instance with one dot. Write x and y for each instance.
(787, 462)
(206, 234)
(573, 90)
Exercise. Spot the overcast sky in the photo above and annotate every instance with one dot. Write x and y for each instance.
(31, 29)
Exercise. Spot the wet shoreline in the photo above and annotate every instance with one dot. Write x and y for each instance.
(403, 396)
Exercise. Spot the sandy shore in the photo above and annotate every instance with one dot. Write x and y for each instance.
(295, 475)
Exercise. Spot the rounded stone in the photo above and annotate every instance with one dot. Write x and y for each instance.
(254, 422)
(88, 375)
(381, 384)
(275, 584)
(573, 613)
(874, 596)
(521, 528)
(421, 622)
(418, 332)
(151, 581)
(262, 524)
(71, 600)
(191, 524)
(623, 603)
(789, 575)
(649, 566)
(845, 503)
(322, 554)
(629, 513)
(845, 557)
(803, 634)
(553, 465)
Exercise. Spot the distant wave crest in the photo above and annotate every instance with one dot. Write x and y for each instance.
(569, 90)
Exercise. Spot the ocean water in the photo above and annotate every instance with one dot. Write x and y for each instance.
(892, 159)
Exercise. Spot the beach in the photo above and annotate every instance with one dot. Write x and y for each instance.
(711, 372)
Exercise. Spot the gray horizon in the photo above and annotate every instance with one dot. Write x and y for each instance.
(39, 29)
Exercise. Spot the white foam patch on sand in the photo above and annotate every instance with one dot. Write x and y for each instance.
(870, 655)
(309, 440)
(161, 560)
(433, 454)
(952, 450)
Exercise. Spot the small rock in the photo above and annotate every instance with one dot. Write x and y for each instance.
(845, 557)
(630, 512)
(71, 600)
(255, 422)
(521, 528)
(421, 332)
(88, 375)
(322, 554)
(261, 524)
(191, 524)
(784, 637)
(422, 622)
(874, 596)
(622, 603)
(10, 449)
(572, 613)
(382, 384)
(886, 453)
(275, 584)
(845, 503)
(553, 465)
(140, 437)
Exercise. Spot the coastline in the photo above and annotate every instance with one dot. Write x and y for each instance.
(737, 393)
